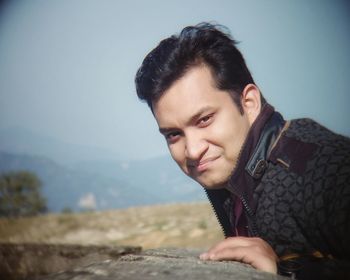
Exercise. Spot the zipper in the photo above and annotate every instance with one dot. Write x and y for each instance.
(247, 209)
(251, 215)
(216, 215)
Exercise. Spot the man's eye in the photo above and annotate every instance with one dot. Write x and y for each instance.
(172, 137)
(203, 122)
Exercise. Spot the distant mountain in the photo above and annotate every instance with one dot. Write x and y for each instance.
(105, 185)
(64, 187)
(78, 177)
(159, 176)
(19, 140)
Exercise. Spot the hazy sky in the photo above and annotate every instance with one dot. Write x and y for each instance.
(67, 67)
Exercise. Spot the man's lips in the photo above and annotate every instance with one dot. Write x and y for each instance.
(203, 164)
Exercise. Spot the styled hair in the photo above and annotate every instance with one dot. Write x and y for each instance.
(202, 44)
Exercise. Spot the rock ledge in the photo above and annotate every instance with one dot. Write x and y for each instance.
(61, 262)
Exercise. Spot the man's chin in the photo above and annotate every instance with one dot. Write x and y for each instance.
(209, 183)
(212, 185)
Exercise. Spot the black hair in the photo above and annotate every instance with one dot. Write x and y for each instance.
(202, 44)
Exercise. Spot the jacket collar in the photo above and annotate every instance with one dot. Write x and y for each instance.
(252, 160)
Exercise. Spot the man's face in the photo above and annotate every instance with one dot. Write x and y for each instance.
(203, 127)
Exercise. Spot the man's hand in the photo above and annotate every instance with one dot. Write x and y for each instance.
(250, 250)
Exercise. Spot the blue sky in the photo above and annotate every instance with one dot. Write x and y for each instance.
(67, 67)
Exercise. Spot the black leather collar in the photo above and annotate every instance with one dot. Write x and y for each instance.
(258, 161)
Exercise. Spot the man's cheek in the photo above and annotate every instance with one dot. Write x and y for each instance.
(180, 160)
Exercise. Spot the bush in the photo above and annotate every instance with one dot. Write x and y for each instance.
(20, 194)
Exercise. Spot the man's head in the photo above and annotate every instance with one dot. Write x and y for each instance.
(203, 98)
(195, 45)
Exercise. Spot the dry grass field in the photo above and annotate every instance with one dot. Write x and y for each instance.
(190, 225)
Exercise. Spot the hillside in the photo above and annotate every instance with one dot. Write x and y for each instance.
(191, 225)
(79, 177)
(66, 187)
(106, 184)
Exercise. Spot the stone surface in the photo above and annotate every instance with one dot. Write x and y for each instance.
(23, 261)
(74, 262)
(162, 264)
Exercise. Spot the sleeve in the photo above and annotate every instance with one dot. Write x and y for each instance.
(327, 210)
(310, 267)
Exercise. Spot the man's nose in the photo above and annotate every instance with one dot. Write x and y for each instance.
(195, 147)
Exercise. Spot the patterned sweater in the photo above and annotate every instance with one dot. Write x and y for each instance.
(291, 187)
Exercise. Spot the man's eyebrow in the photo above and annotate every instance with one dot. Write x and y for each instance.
(199, 113)
(165, 130)
(192, 119)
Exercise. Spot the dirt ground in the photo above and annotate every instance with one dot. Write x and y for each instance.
(190, 225)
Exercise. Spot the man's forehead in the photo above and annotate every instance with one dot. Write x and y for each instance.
(188, 77)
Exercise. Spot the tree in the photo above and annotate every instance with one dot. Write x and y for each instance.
(20, 194)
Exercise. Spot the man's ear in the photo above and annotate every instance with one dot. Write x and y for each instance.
(251, 102)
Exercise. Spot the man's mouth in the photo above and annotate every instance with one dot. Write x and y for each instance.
(203, 164)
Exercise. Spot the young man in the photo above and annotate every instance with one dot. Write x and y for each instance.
(280, 189)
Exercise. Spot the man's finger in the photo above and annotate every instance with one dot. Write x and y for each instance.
(228, 242)
(246, 254)
(235, 242)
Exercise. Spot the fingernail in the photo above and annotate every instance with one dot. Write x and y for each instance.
(204, 256)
